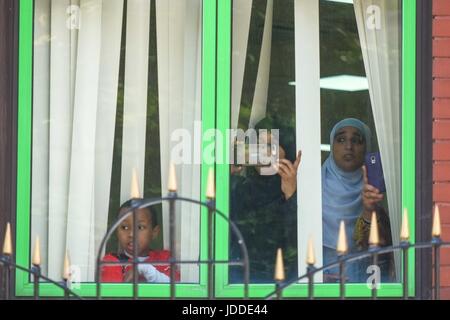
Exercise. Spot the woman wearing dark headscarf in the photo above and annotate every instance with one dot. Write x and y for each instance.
(265, 209)
(347, 196)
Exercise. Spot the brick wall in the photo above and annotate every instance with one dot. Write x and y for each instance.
(441, 127)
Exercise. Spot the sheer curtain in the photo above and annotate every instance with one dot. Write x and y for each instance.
(76, 77)
(242, 12)
(379, 23)
(74, 120)
(135, 95)
(41, 101)
(259, 105)
(178, 25)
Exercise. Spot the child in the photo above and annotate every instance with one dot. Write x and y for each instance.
(148, 230)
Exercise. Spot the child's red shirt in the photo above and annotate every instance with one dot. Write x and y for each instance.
(116, 273)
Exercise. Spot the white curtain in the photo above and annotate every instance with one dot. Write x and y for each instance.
(135, 95)
(242, 12)
(259, 105)
(379, 24)
(61, 109)
(308, 124)
(76, 74)
(178, 25)
(41, 101)
(74, 119)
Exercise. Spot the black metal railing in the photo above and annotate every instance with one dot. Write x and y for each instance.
(172, 198)
(136, 204)
(8, 265)
(342, 260)
(436, 245)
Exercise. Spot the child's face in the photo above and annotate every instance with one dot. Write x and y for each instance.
(145, 233)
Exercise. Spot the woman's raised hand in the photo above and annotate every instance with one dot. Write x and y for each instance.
(288, 173)
(370, 195)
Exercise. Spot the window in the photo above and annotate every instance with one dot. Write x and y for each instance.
(112, 84)
(104, 84)
(308, 65)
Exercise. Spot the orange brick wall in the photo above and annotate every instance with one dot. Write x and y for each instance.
(441, 127)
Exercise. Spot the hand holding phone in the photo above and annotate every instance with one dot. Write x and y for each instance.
(374, 169)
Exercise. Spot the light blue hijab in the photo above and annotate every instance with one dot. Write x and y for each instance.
(341, 191)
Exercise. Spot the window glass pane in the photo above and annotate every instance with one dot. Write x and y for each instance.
(113, 82)
(303, 66)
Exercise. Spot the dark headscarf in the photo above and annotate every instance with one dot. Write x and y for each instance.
(286, 134)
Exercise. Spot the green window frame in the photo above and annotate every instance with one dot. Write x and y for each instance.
(216, 93)
(23, 284)
(223, 289)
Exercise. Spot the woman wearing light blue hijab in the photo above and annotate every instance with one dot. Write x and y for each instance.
(346, 194)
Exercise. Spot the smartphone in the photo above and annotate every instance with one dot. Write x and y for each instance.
(374, 168)
(252, 157)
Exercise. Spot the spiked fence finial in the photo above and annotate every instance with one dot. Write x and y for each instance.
(210, 190)
(279, 267)
(342, 246)
(172, 185)
(404, 234)
(66, 268)
(7, 244)
(436, 233)
(37, 253)
(374, 237)
(310, 256)
(134, 190)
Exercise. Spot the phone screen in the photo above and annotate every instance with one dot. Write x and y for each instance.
(246, 156)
